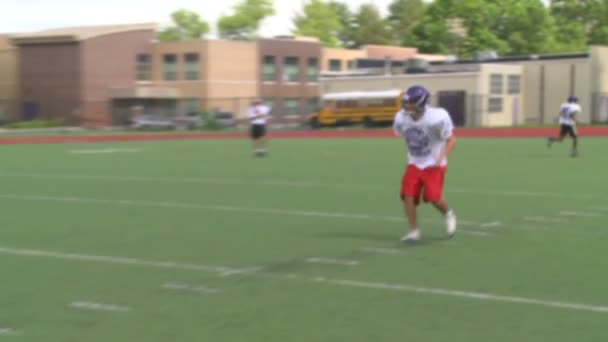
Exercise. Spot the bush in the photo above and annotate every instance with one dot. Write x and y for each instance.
(35, 124)
(209, 122)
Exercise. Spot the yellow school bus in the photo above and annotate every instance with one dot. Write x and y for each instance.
(370, 108)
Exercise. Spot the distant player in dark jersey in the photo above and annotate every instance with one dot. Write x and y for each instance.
(567, 121)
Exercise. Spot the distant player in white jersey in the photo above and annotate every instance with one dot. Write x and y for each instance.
(428, 133)
(258, 115)
(567, 121)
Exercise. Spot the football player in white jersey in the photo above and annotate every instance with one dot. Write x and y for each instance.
(258, 115)
(428, 134)
(567, 121)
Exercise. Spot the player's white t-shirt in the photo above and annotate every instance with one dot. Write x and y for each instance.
(425, 137)
(567, 111)
(257, 110)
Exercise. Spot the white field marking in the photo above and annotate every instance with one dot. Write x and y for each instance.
(360, 284)
(237, 271)
(190, 288)
(106, 150)
(520, 193)
(9, 332)
(337, 215)
(579, 213)
(98, 306)
(543, 219)
(181, 205)
(204, 180)
(464, 294)
(491, 224)
(473, 232)
(598, 208)
(114, 260)
(378, 250)
(85, 200)
(317, 260)
(291, 183)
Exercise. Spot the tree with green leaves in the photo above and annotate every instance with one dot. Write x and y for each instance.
(243, 24)
(371, 28)
(187, 25)
(510, 27)
(430, 32)
(318, 19)
(346, 32)
(580, 22)
(479, 15)
(401, 17)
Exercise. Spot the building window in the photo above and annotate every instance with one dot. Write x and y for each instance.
(335, 65)
(514, 84)
(170, 67)
(191, 66)
(495, 105)
(291, 107)
(312, 105)
(496, 84)
(312, 70)
(269, 69)
(144, 67)
(270, 103)
(291, 69)
(191, 107)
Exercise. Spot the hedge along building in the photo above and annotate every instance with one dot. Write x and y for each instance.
(497, 92)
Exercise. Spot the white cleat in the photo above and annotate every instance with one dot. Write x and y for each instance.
(450, 223)
(413, 235)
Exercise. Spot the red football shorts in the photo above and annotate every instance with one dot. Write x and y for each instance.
(430, 179)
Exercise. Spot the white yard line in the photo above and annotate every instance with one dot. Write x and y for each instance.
(190, 288)
(240, 271)
(105, 151)
(114, 260)
(9, 332)
(286, 183)
(214, 207)
(579, 214)
(483, 296)
(466, 294)
(379, 250)
(98, 306)
(543, 219)
(491, 224)
(328, 261)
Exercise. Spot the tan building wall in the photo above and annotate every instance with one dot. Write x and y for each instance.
(511, 99)
(232, 69)
(8, 80)
(548, 83)
(345, 56)
(186, 88)
(228, 73)
(100, 71)
(599, 83)
(456, 81)
(233, 73)
(392, 52)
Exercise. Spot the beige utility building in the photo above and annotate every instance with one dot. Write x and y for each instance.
(499, 92)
